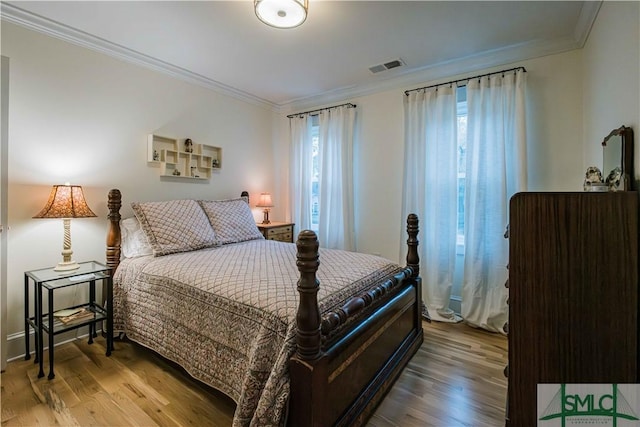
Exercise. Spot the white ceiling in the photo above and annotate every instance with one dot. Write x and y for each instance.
(221, 44)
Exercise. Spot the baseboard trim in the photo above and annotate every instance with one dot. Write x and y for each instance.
(16, 347)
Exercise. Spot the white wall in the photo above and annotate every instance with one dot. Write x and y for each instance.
(554, 136)
(80, 116)
(612, 78)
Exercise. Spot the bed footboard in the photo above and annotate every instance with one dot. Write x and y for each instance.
(346, 362)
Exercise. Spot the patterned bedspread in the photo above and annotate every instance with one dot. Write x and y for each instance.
(227, 314)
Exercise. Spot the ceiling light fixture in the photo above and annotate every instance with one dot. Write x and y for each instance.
(282, 13)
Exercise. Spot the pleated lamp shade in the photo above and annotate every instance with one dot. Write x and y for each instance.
(66, 202)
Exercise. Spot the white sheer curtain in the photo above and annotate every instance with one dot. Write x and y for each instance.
(430, 190)
(335, 201)
(301, 171)
(496, 169)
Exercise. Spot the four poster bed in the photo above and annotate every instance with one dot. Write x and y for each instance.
(294, 334)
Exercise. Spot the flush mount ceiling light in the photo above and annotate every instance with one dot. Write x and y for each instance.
(282, 13)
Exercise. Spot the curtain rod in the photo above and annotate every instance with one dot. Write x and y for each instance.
(406, 92)
(350, 105)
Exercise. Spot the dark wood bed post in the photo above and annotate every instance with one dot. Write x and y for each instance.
(413, 260)
(306, 406)
(308, 316)
(245, 194)
(114, 202)
(113, 235)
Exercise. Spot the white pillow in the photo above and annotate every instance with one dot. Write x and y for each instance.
(134, 241)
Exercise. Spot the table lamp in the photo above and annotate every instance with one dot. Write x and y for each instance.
(66, 202)
(266, 203)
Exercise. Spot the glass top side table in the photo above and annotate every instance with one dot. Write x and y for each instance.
(54, 322)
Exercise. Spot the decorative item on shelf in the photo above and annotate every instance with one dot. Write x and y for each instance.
(593, 180)
(266, 203)
(613, 179)
(156, 156)
(214, 163)
(281, 13)
(66, 202)
(188, 145)
(176, 172)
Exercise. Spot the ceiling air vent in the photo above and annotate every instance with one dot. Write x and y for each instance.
(386, 66)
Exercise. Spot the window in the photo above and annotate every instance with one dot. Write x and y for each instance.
(331, 132)
(456, 290)
(462, 161)
(315, 193)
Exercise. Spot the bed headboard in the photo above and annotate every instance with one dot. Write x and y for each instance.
(114, 235)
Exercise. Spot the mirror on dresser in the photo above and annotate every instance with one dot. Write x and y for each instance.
(617, 159)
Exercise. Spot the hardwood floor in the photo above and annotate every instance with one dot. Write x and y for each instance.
(455, 379)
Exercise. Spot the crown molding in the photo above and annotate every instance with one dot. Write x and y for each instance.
(466, 65)
(15, 15)
(444, 70)
(587, 17)
(400, 79)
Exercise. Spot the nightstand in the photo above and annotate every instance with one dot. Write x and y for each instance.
(48, 322)
(281, 231)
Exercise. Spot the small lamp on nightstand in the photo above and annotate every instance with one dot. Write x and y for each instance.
(66, 202)
(266, 203)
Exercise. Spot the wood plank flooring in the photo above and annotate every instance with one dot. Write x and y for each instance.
(455, 379)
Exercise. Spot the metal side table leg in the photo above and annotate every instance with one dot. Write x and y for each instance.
(40, 344)
(51, 335)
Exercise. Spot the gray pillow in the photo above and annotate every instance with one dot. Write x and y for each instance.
(174, 226)
(232, 220)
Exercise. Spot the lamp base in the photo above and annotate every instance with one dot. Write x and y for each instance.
(266, 217)
(66, 266)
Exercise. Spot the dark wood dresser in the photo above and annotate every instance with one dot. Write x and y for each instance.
(573, 293)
